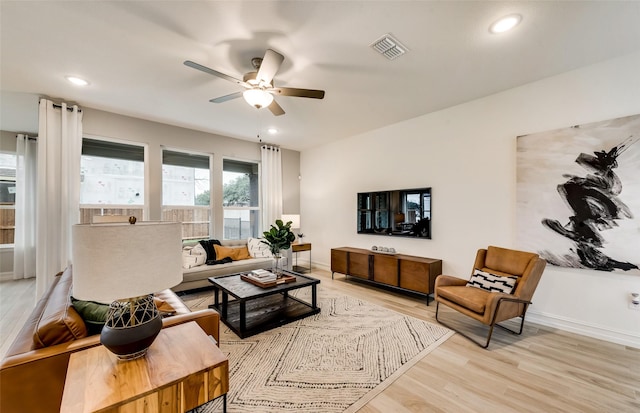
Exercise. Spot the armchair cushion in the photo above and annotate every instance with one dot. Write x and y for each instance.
(474, 299)
(492, 282)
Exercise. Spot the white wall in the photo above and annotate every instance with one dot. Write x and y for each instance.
(467, 154)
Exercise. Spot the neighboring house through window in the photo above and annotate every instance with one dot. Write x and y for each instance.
(241, 199)
(186, 189)
(111, 179)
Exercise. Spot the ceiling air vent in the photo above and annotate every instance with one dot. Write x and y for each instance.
(389, 47)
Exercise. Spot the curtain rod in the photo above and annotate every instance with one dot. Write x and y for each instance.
(31, 138)
(55, 105)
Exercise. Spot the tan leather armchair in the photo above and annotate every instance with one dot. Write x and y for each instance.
(490, 307)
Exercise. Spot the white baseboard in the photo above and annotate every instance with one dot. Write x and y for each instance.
(6, 276)
(590, 330)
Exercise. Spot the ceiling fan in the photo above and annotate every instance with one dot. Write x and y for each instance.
(259, 88)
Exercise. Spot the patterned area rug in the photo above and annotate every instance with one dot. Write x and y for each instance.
(335, 361)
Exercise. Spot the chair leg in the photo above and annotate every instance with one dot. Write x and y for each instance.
(485, 345)
(513, 331)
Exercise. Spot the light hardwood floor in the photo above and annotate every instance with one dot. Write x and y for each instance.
(542, 370)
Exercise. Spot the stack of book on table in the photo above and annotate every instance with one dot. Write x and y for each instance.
(262, 276)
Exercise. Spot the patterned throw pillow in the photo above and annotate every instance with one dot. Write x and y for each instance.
(193, 256)
(492, 282)
(258, 249)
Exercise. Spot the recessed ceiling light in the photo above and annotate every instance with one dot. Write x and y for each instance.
(272, 131)
(77, 81)
(505, 24)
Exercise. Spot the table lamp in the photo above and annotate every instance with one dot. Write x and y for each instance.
(295, 221)
(124, 264)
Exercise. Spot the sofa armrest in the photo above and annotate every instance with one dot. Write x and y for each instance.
(208, 320)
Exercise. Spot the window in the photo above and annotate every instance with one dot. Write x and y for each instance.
(240, 202)
(186, 192)
(111, 179)
(8, 163)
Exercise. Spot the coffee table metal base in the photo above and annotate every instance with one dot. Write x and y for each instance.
(255, 314)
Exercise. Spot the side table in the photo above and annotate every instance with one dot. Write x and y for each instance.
(303, 246)
(183, 369)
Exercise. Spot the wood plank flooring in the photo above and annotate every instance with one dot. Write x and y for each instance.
(17, 300)
(543, 370)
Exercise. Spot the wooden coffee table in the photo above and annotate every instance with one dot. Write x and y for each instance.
(256, 309)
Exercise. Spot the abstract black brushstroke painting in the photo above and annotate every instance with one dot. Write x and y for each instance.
(578, 195)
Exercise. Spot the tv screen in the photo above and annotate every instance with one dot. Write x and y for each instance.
(403, 213)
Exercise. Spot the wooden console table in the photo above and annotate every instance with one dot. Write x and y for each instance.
(183, 369)
(397, 271)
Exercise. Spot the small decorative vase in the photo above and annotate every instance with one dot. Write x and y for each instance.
(276, 264)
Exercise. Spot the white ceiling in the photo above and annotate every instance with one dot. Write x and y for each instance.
(132, 52)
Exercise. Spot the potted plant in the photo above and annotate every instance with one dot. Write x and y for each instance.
(279, 237)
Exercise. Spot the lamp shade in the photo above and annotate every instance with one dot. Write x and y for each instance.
(119, 261)
(295, 220)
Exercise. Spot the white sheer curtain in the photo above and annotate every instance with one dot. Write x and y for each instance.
(24, 248)
(59, 150)
(271, 185)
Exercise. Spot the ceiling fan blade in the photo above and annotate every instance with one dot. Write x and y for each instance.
(269, 66)
(276, 109)
(303, 93)
(226, 97)
(214, 72)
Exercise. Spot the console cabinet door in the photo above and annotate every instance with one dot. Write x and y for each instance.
(385, 269)
(415, 276)
(359, 265)
(339, 261)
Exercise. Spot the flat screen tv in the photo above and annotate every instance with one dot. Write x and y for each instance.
(398, 213)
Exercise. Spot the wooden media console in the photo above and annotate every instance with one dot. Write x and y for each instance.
(397, 271)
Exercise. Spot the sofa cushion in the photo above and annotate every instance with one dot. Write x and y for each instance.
(205, 271)
(235, 253)
(258, 249)
(59, 322)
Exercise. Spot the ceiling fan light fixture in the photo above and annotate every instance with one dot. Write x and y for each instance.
(257, 98)
(76, 80)
(505, 24)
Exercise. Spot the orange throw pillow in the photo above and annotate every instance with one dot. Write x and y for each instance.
(234, 253)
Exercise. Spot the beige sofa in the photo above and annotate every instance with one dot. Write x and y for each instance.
(197, 277)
